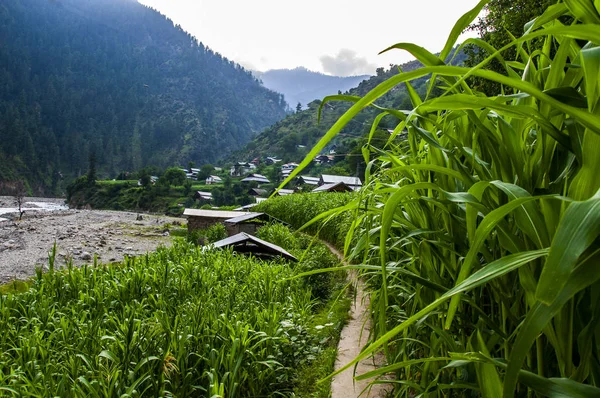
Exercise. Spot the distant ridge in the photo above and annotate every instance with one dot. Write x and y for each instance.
(119, 79)
(301, 85)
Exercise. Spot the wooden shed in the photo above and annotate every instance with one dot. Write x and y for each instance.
(202, 219)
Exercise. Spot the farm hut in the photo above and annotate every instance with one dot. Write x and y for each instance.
(247, 244)
(202, 219)
(336, 187)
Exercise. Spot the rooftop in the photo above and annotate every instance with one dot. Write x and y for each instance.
(213, 213)
(332, 179)
(244, 243)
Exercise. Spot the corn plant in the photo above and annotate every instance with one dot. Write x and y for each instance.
(478, 234)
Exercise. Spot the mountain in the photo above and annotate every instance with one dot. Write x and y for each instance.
(290, 139)
(118, 79)
(301, 85)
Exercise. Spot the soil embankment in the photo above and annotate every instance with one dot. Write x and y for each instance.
(79, 235)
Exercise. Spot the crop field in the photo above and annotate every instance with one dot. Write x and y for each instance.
(478, 234)
(179, 322)
(300, 209)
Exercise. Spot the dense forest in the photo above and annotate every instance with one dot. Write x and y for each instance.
(292, 137)
(301, 86)
(117, 79)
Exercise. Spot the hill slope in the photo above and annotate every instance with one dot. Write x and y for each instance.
(301, 85)
(292, 137)
(119, 79)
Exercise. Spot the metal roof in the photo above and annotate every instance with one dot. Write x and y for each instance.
(259, 192)
(284, 192)
(213, 213)
(329, 187)
(331, 179)
(247, 206)
(245, 243)
(245, 217)
(309, 180)
(256, 177)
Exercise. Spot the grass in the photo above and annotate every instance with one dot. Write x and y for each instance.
(178, 322)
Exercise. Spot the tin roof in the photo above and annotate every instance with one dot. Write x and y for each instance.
(331, 179)
(332, 187)
(244, 217)
(213, 213)
(245, 243)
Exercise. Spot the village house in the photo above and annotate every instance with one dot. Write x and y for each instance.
(258, 192)
(334, 187)
(258, 178)
(202, 195)
(284, 192)
(213, 180)
(271, 160)
(241, 168)
(307, 180)
(352, 182)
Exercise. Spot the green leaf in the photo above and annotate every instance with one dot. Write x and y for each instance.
(583, 10)
(460, 26)
(578, 228)
(492, 271)
(540, 315)
(568, 95)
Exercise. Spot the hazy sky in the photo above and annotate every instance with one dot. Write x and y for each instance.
(340, 37)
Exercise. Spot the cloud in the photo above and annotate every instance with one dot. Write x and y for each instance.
(346, 63)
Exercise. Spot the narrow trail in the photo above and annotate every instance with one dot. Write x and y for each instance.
(354, 338)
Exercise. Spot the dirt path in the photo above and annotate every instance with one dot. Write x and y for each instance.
(353, 338)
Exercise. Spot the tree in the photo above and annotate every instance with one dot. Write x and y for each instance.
(502, 19)
(205, 171)
(187, 186)
(144, 177)
(174, 176)
(298, 108)
(20, 192)
(91, 174)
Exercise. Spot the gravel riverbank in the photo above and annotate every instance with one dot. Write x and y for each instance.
(79, 235)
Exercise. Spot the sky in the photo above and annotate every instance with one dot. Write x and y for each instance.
(336, 37)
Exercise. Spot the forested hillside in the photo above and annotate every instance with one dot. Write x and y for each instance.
(119, 79)
(292, 137)
(301, 85)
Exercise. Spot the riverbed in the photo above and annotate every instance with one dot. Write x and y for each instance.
(80, 236)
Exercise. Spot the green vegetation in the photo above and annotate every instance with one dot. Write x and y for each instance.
(211, 234)
(298, 209)
(178, 322)
(117, 79)
(478, 235)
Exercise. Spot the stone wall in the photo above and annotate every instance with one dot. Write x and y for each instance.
(196, 223)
